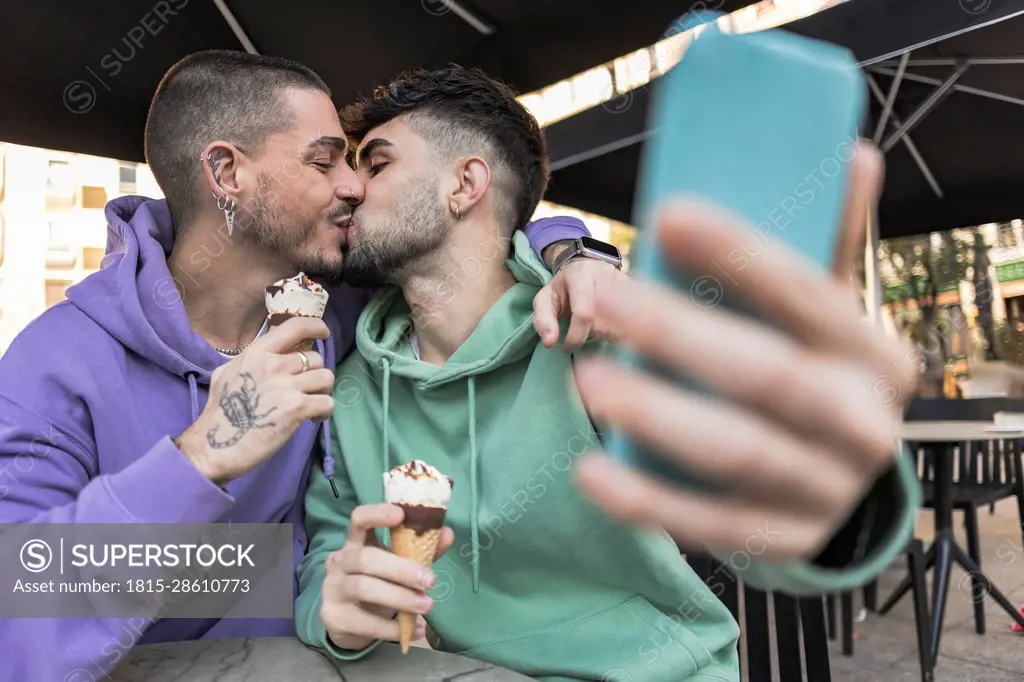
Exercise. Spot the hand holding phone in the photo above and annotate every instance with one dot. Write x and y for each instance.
(754, 401)
(764, 125)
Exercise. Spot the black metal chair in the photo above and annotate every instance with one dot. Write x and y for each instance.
(987, 473)
(919, 585)
(796, 619)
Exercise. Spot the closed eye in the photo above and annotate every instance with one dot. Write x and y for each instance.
(376, 168)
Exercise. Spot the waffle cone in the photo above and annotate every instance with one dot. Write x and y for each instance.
(408, 544)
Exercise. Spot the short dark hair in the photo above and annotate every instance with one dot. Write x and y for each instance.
(463, 111)
(216, 94)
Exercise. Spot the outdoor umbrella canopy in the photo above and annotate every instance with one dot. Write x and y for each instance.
(78, 76)
(962, 162)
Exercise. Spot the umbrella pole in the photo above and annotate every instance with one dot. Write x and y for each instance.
(872, 282)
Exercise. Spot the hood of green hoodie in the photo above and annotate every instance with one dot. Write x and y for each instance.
(505, 333)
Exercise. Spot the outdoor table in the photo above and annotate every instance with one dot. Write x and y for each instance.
(942, 438)
(286, 659)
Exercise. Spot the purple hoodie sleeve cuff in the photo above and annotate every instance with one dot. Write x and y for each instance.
(163, 487)
(546, 231)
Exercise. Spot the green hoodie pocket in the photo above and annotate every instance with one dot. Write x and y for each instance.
(630, 642)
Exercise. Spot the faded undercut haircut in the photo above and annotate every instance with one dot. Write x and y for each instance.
(216, 95)
(460, 112)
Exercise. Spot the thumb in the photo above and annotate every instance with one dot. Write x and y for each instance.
(546, 308)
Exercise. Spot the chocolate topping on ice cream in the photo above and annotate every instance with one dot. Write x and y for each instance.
(279, 318)
(422, 518)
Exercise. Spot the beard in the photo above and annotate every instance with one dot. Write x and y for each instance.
(389, 244)
(274, 228)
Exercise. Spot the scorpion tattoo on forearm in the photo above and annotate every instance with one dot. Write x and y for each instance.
(241, 408)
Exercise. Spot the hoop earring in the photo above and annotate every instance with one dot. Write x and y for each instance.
(458, 212)
(228, 206)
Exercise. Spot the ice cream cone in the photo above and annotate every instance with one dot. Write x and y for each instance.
(423, 493)
(408, 543)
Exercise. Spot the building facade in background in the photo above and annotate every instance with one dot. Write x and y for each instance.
(52, 226)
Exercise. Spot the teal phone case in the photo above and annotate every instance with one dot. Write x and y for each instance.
(764, 124)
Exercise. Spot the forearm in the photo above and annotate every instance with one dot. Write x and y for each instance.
(550, 236)
(48, 477)
(45, 478)
(552, 251)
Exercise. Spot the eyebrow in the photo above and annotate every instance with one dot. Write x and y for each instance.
(319, 143)
(372, 146)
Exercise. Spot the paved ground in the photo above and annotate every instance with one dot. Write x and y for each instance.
(885, 648)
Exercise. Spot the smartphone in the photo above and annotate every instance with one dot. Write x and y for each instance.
(764, 124)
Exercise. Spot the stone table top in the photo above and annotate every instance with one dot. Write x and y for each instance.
(286, 659)
(956, 431)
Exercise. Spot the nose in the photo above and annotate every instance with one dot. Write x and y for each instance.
(349, 188)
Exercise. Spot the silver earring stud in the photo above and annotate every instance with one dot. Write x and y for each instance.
(458, 212)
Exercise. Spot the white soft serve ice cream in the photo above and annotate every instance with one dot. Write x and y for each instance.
(417, 483)
(296, 296)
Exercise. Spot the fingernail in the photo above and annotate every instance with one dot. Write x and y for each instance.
(428, 579)
(424, 603)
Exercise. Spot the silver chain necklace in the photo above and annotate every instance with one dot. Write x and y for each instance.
(232, 351)
(237, 351)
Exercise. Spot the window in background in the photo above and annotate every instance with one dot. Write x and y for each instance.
(60, 184)
(55, 291)
(92, 257)
(127, 181)
(93, 197)
(59, 234)
(61, 249)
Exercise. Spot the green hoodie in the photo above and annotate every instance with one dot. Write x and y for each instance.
(538, 580)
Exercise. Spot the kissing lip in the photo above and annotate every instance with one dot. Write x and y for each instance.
(344, 221)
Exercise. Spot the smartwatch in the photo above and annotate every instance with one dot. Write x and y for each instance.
(588, 247)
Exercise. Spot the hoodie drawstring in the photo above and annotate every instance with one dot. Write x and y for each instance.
(386, 365)
(195, 395)
(328, 458)
(474, 515)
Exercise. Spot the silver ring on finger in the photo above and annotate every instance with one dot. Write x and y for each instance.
(305, 360)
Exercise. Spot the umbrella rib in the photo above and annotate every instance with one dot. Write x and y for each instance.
(909, 142)
(891, 99)
(236, 28)
(966, 89)
(930, 102)
(468, 15)
(600, 150)
(949, 61)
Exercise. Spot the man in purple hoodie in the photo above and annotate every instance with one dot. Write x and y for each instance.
(105, 399)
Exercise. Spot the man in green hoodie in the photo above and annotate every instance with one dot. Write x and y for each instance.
(450, 370)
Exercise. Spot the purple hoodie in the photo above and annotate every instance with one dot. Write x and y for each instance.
(91, 394)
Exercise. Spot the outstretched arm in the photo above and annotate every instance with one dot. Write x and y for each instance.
(808, 418)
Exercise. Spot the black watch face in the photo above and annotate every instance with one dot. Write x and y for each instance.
(600, 247)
